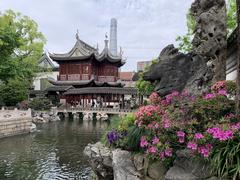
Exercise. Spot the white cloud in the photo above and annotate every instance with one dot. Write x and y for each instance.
(144, 26)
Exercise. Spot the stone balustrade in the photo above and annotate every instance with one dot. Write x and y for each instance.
(13, 122)
(96, 110)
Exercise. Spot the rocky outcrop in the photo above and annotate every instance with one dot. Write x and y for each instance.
(87, 116)
(102, 116)
(44, 117)
(118, 164)
(210, 39)
(123, 167)
(205, 64)
(100, 160)
(176, 71)
(187, 168)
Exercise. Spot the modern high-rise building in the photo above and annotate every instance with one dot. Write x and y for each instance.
(113, 37)
(141, 65)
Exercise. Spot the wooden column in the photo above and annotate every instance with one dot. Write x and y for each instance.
(123, 103)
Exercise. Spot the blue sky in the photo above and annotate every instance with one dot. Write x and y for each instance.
(144, 26)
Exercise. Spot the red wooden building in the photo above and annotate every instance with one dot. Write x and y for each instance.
(88, 78)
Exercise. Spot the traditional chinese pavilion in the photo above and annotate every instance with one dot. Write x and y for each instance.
(88, 78)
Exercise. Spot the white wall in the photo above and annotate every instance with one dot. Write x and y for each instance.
(37, 83)
(232, 76)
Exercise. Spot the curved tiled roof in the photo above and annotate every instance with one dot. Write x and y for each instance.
(83, 51)
(102, 90)
(85, 82)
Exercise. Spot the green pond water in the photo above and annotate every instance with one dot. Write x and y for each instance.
(55, 151)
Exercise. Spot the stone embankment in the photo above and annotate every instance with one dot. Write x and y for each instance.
(14, 122)
(117, 164)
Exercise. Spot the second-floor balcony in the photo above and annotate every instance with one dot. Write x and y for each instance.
(79, 77)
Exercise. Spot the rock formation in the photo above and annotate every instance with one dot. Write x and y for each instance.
(117, 164)
(210, 40)
(205, 64)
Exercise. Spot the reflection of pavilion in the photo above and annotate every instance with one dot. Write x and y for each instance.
(88, 78)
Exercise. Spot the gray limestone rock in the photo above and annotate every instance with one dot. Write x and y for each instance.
(123, 166)
(187, 168)
(206, 63)
(100, 159)
(157, 171)
(141, 163)
(178, 71)
(210, 39)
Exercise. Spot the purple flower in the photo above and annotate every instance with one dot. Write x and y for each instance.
(112, 136)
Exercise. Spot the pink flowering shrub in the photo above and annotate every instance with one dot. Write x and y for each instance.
(147, 114)
(204, 125)
(227, 86)
(154, 98)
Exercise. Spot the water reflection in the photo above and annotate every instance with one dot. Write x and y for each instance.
(54, 152)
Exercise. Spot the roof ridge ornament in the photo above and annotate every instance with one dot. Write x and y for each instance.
(77, 35)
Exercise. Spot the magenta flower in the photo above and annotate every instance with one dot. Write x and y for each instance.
(143, 142)
(168, 152)
(198, 136)
(162, 155)
(205, 150)
(219, 134)
(152, 150)
(236, 126)
(181, 139)
(180, 134)
(166, 123)
(222, 92)
(155, 140)
(209, 96)
(192, 145)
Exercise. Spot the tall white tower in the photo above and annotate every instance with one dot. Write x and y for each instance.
(113, 37)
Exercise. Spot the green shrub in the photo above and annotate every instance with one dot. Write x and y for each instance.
(134, 135)
(40, 104)
(126, 122)
(210, 111)
(226, 159)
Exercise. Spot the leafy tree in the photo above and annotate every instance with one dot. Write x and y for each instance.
(145, 87)
(13, 92)
(21, 45)
(231, 16)
(184, 42)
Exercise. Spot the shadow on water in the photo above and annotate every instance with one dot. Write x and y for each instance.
(54, 152)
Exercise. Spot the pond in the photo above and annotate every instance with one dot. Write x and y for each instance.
(55, 151)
